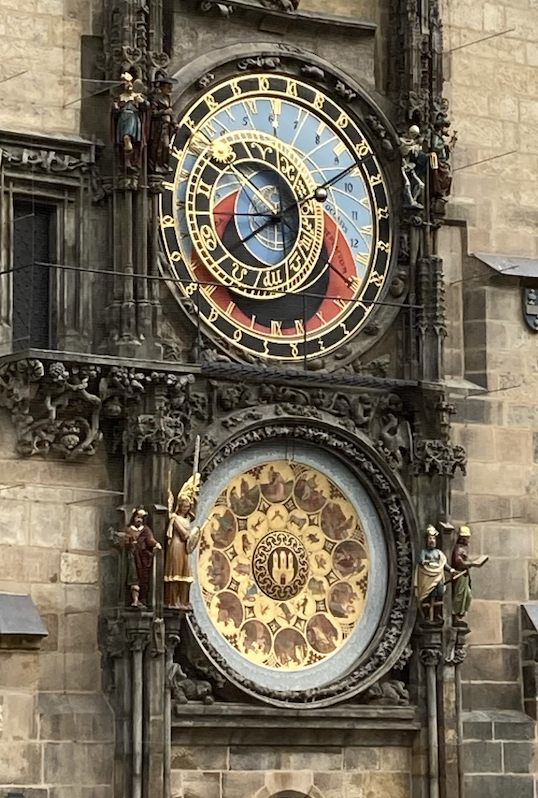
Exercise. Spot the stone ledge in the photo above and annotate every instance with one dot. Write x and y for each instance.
(298, 18)
(257, 717)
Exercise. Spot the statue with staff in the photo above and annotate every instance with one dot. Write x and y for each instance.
(182, 539)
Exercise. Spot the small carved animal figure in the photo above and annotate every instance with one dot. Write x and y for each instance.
(184, 689)
(389, 694)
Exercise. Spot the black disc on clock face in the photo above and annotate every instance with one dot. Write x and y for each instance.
(277, 222)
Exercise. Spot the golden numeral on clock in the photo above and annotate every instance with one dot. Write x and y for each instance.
(208, 237)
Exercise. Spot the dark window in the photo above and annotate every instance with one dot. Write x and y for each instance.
(32, 245)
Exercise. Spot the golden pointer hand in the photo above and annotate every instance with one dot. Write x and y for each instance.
(273, 208)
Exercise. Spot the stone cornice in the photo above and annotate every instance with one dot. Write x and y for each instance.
(301, 18)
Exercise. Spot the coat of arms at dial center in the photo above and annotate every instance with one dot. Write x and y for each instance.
(280, 566)
(284, 565)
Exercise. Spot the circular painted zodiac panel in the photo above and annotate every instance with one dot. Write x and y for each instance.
(284, 565)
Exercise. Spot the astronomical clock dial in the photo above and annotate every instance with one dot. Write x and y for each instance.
(288, 593)
(277, 221)
(291, 571)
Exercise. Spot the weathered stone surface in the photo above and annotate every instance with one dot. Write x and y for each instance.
(83, 528)
(80, 632)
(398, 785)
(79, 568)
(19, 716)
(511, 624)
(516, 727)
(201, 758)
(519, 757)
(491, 664)
(501, 580)
(237, 783)
(311, 759)
(19, 670)
(83, 717)
(395, 759)
(78, 763)
(362, 759)
(247, 758)
(48, 529)
(20, 762)
(495, 786)
(483, 757)
(82, 672)
(485, 621)
(15, 518)
(488, 695)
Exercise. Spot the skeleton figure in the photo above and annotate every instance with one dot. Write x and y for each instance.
(411, 149)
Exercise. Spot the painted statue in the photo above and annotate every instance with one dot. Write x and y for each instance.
(140, 544)
(411, 152)
(162, 124)
(461, 581)
(429, 577)
(182, 541)
(441, 147)
(129, 121)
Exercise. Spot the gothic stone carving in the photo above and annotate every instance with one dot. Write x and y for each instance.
(185, 689)
(439, 457)
(381, 417)
(391, 693)
(58, 407)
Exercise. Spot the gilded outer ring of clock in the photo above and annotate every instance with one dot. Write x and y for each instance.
(342, 314)
(263, 281)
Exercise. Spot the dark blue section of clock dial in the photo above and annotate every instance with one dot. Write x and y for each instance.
(260, 200)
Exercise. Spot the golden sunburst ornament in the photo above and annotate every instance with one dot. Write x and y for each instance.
(222, 151)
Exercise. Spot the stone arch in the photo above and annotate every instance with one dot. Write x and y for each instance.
(312, 792)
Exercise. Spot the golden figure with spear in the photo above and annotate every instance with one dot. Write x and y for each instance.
(182, 539)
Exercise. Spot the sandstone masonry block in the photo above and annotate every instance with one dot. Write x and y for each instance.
(485, 623)
(207, 757)
(81, 568)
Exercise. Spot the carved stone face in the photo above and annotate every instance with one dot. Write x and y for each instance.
(138, 521)
(431, 542)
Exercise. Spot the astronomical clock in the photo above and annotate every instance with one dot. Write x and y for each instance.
(278, 230)
(277, 223)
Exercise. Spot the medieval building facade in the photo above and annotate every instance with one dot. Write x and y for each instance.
(268, 380)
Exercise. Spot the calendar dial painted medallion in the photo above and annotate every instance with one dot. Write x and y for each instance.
(277, 224)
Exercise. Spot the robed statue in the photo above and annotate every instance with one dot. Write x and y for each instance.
(182, 541)
(129, 121)
(429, 577)
(461, 581)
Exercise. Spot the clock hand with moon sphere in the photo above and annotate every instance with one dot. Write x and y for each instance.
(278, 217)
